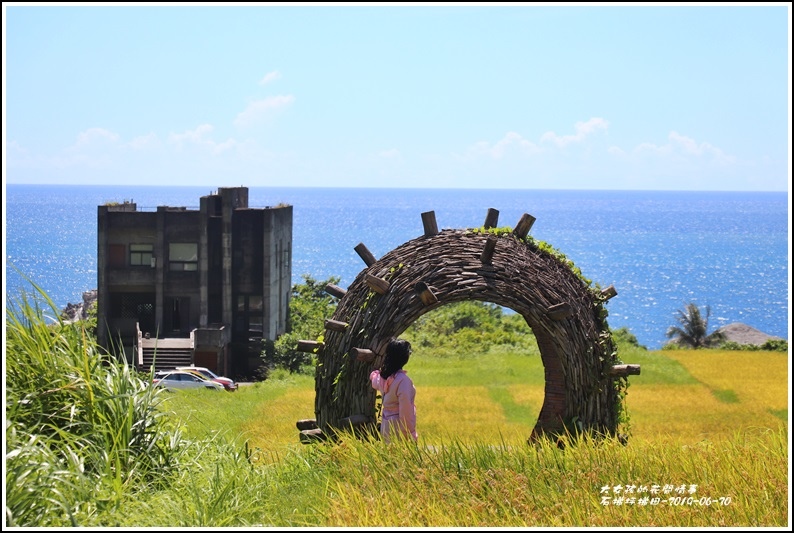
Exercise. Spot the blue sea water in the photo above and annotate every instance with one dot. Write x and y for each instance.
(661, 250)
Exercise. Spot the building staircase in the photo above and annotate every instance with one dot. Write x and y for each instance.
(164, 354)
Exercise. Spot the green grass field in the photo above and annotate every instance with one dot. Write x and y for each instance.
(711, 422)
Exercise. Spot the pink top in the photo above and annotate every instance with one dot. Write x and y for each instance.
(398, 400)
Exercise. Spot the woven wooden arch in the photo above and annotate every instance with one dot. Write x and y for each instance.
(500, 266)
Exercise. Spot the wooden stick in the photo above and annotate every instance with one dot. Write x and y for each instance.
(487, 253)
(365, 254)
(522, 228)
(560, 311)
(334, 290)
(624, 370)
(309, 346)
(429, 223)
(379, 285)
(362, 354)
(335, 325)
(425, 294)
(609, 292)
(491, 219)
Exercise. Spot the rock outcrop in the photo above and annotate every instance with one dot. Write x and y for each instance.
(744, 334)
(74, 312)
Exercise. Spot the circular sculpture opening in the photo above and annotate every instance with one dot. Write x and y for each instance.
(508, 268)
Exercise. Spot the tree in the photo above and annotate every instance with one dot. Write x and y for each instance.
(693, 330)
(309, 306)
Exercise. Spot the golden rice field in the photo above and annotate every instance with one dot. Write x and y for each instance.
(686, 396)
(711, 422)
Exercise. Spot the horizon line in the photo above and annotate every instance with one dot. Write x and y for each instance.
(393, 187)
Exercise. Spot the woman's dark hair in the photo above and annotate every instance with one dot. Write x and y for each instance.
(397, 353)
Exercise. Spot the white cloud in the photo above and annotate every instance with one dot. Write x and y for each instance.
(501, 147)
(653, 148)
(143, 141)
(687, 146)
(260, 108)
(13, 147)
(583, 129)
(199, 137)
(94, 147)
(17, 155)
(93, 136)
(690, 146)
(270, 76)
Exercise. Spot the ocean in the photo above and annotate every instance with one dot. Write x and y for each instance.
(661, 250)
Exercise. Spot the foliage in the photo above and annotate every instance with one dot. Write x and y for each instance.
(624, 335)
(309, 306)
(771, 345)
(693, 329)
(81, 428)
(470, 328)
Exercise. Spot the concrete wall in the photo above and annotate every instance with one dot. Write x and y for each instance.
(240, 251)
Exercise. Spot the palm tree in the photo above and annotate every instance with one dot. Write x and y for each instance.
(693, 332)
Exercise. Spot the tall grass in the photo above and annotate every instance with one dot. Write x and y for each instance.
(739, 481)
(81, 429)
(742, 480)
(90, 444)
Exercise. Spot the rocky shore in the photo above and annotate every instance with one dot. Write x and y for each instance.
(74, 312)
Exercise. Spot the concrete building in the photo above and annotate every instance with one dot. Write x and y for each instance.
(179, 286)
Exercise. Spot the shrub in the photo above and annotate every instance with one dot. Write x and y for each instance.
(772, 345)
(309, 306)
(470, 328)
(625, 336)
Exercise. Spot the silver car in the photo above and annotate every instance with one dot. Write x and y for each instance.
(178, 379)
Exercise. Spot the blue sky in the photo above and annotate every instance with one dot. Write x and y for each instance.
(657, 97)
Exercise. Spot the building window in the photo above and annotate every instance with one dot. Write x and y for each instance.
(250, 315)
(141, 254)
(183, 256)
(255, 309)
(116, 255)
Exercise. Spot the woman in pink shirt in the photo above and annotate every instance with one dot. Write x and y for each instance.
(398, 391)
